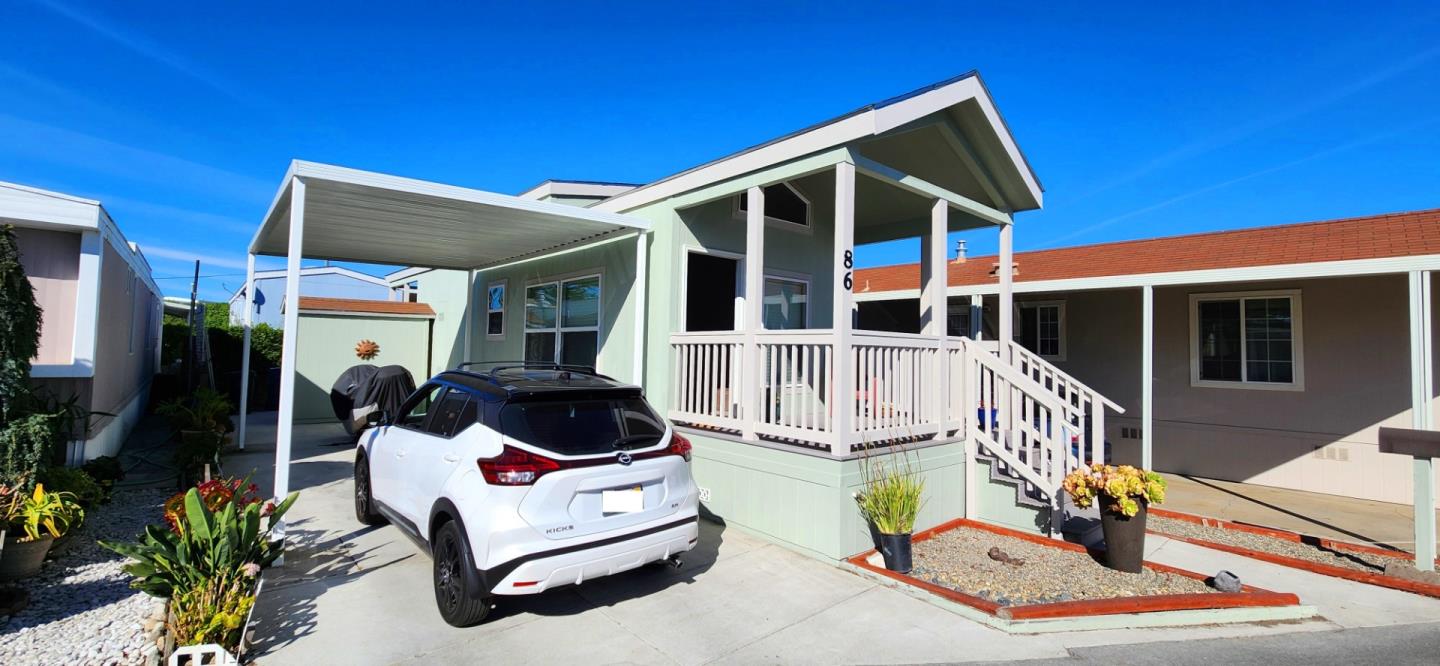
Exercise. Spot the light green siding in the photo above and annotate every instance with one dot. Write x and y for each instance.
(808, 502)
(444, 291)
(327, 348)
(996, 503)
(613, 261)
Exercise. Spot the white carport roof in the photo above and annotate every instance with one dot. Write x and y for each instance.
(362, 216)
(330, 212)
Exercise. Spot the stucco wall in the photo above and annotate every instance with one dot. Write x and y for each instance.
(1321, 439)
(327, 347)
(52, 263)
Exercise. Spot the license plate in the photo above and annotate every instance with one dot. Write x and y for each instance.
(628, 500)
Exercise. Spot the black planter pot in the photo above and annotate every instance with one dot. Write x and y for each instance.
(1124, 538)
(895, 548)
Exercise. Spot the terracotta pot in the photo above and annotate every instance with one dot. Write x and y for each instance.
(22, 559)
(1124, 538)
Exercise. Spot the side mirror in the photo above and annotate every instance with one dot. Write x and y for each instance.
(375, 418)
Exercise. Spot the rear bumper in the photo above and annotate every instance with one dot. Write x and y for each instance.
(575, 564)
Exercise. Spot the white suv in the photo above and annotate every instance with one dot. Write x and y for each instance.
(525, 478)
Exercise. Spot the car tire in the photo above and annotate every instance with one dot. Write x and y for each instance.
(364, 499)
(458, 604)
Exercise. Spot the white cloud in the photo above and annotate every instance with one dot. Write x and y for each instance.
(176, 254)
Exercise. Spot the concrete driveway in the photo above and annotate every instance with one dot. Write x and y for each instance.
(356, 595)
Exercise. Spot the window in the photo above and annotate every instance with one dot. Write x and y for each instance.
(495, 309)
(957, 321)
(412, 292)
(1250, 339)
(785, 303)
(783, 203)
(1041, 328)
(415, 409)
(447, 413)
(562, 321)
(582, 427)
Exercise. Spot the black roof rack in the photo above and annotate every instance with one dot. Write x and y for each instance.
(501, 366)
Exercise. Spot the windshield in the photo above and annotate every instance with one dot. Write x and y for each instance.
(583, 427)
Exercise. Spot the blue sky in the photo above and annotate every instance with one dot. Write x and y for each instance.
(1141, 120)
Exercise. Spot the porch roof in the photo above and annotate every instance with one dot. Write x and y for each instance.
(362, 216)
(1328, 247)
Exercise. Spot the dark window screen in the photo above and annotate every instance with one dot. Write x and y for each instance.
(1220, 341)
(582, 427)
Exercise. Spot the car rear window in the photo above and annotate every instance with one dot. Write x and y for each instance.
(583, 427)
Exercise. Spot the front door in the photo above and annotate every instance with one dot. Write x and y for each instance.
(711, 285)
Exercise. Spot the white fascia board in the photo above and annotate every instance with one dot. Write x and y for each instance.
(397, 278)
(42, 209)
(1311, 270)
(282, 194)
(62, 370)
(348, 313)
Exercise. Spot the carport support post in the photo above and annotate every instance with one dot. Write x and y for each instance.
(1147, 374)
(1422, 387)
(642, 283)
(285, 425)
(754, 293)
(245, 347)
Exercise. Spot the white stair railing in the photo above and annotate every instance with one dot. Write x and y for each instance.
(1080, 401)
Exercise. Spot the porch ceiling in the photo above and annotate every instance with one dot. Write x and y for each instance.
(361, 216)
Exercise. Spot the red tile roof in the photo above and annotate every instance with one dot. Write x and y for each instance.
(364, 306)
(1377, 236)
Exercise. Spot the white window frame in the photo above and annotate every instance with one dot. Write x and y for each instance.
(1058, 305)
(737, 303)
(504, 284)
(808, 227)
(791, 277)
(1297, 346)
(560, 329)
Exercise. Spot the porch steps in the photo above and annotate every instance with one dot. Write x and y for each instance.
(1026, 494)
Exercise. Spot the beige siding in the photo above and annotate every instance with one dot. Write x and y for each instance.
(126, 335)
(1321, 439)
(52, 262)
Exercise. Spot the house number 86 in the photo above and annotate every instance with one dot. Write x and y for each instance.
(849, 263)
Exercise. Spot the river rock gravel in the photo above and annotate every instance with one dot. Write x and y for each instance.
(1267, 544)
(960, 560)
(82, 609)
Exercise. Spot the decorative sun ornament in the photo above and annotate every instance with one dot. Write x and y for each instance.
(367, 349)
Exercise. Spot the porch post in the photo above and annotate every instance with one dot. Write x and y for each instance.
(291, 339)
(843, 300)
(933, 274)
(977, 317)
(754, 293)
(470, 315)
(1147, 375)
(1422, 388)
(642, 275)
(245, 347)
(1006, 307)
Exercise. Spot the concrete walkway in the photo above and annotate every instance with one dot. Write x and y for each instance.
(1332, 516)
(355, 595)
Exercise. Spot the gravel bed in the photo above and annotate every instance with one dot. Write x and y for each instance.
(82, 609)
(960, 560)
(1268, 544)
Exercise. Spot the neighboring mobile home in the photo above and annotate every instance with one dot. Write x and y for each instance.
(1278, 352)
(100, 339)
(728, 292)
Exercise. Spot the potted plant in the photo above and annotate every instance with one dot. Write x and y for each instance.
(42, 517)
(892, 495)
(1124, 493)
(202, 420)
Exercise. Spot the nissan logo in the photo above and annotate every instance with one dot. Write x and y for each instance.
(624, 458)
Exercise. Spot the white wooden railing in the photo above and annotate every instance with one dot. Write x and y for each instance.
(1017, 406)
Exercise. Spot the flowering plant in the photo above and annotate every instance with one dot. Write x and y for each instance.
(214, 494)
(1123, 487)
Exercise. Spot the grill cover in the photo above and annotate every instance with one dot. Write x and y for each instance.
(366, 388)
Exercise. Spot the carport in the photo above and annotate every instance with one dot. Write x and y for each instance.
(340, 214)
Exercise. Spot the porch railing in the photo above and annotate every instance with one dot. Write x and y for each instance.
(1021, 409)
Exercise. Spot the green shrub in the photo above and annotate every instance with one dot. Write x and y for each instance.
(893, 493)
(26, 445)
(210, 544)
(20, 321)
(214, 612)
(105, 469)
(88, 492)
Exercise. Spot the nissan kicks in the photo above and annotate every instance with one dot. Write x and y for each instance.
(524, 478)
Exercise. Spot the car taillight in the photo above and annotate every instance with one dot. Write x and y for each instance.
(515, 467)
(680, 446)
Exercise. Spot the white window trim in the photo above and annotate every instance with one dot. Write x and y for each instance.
(792, 277)
(505, 285)
(560, 329)
(1297, 354)
(1059, 305)
(737, 303)
(808, 227)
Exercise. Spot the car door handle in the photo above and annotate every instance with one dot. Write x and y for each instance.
(450, 458)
